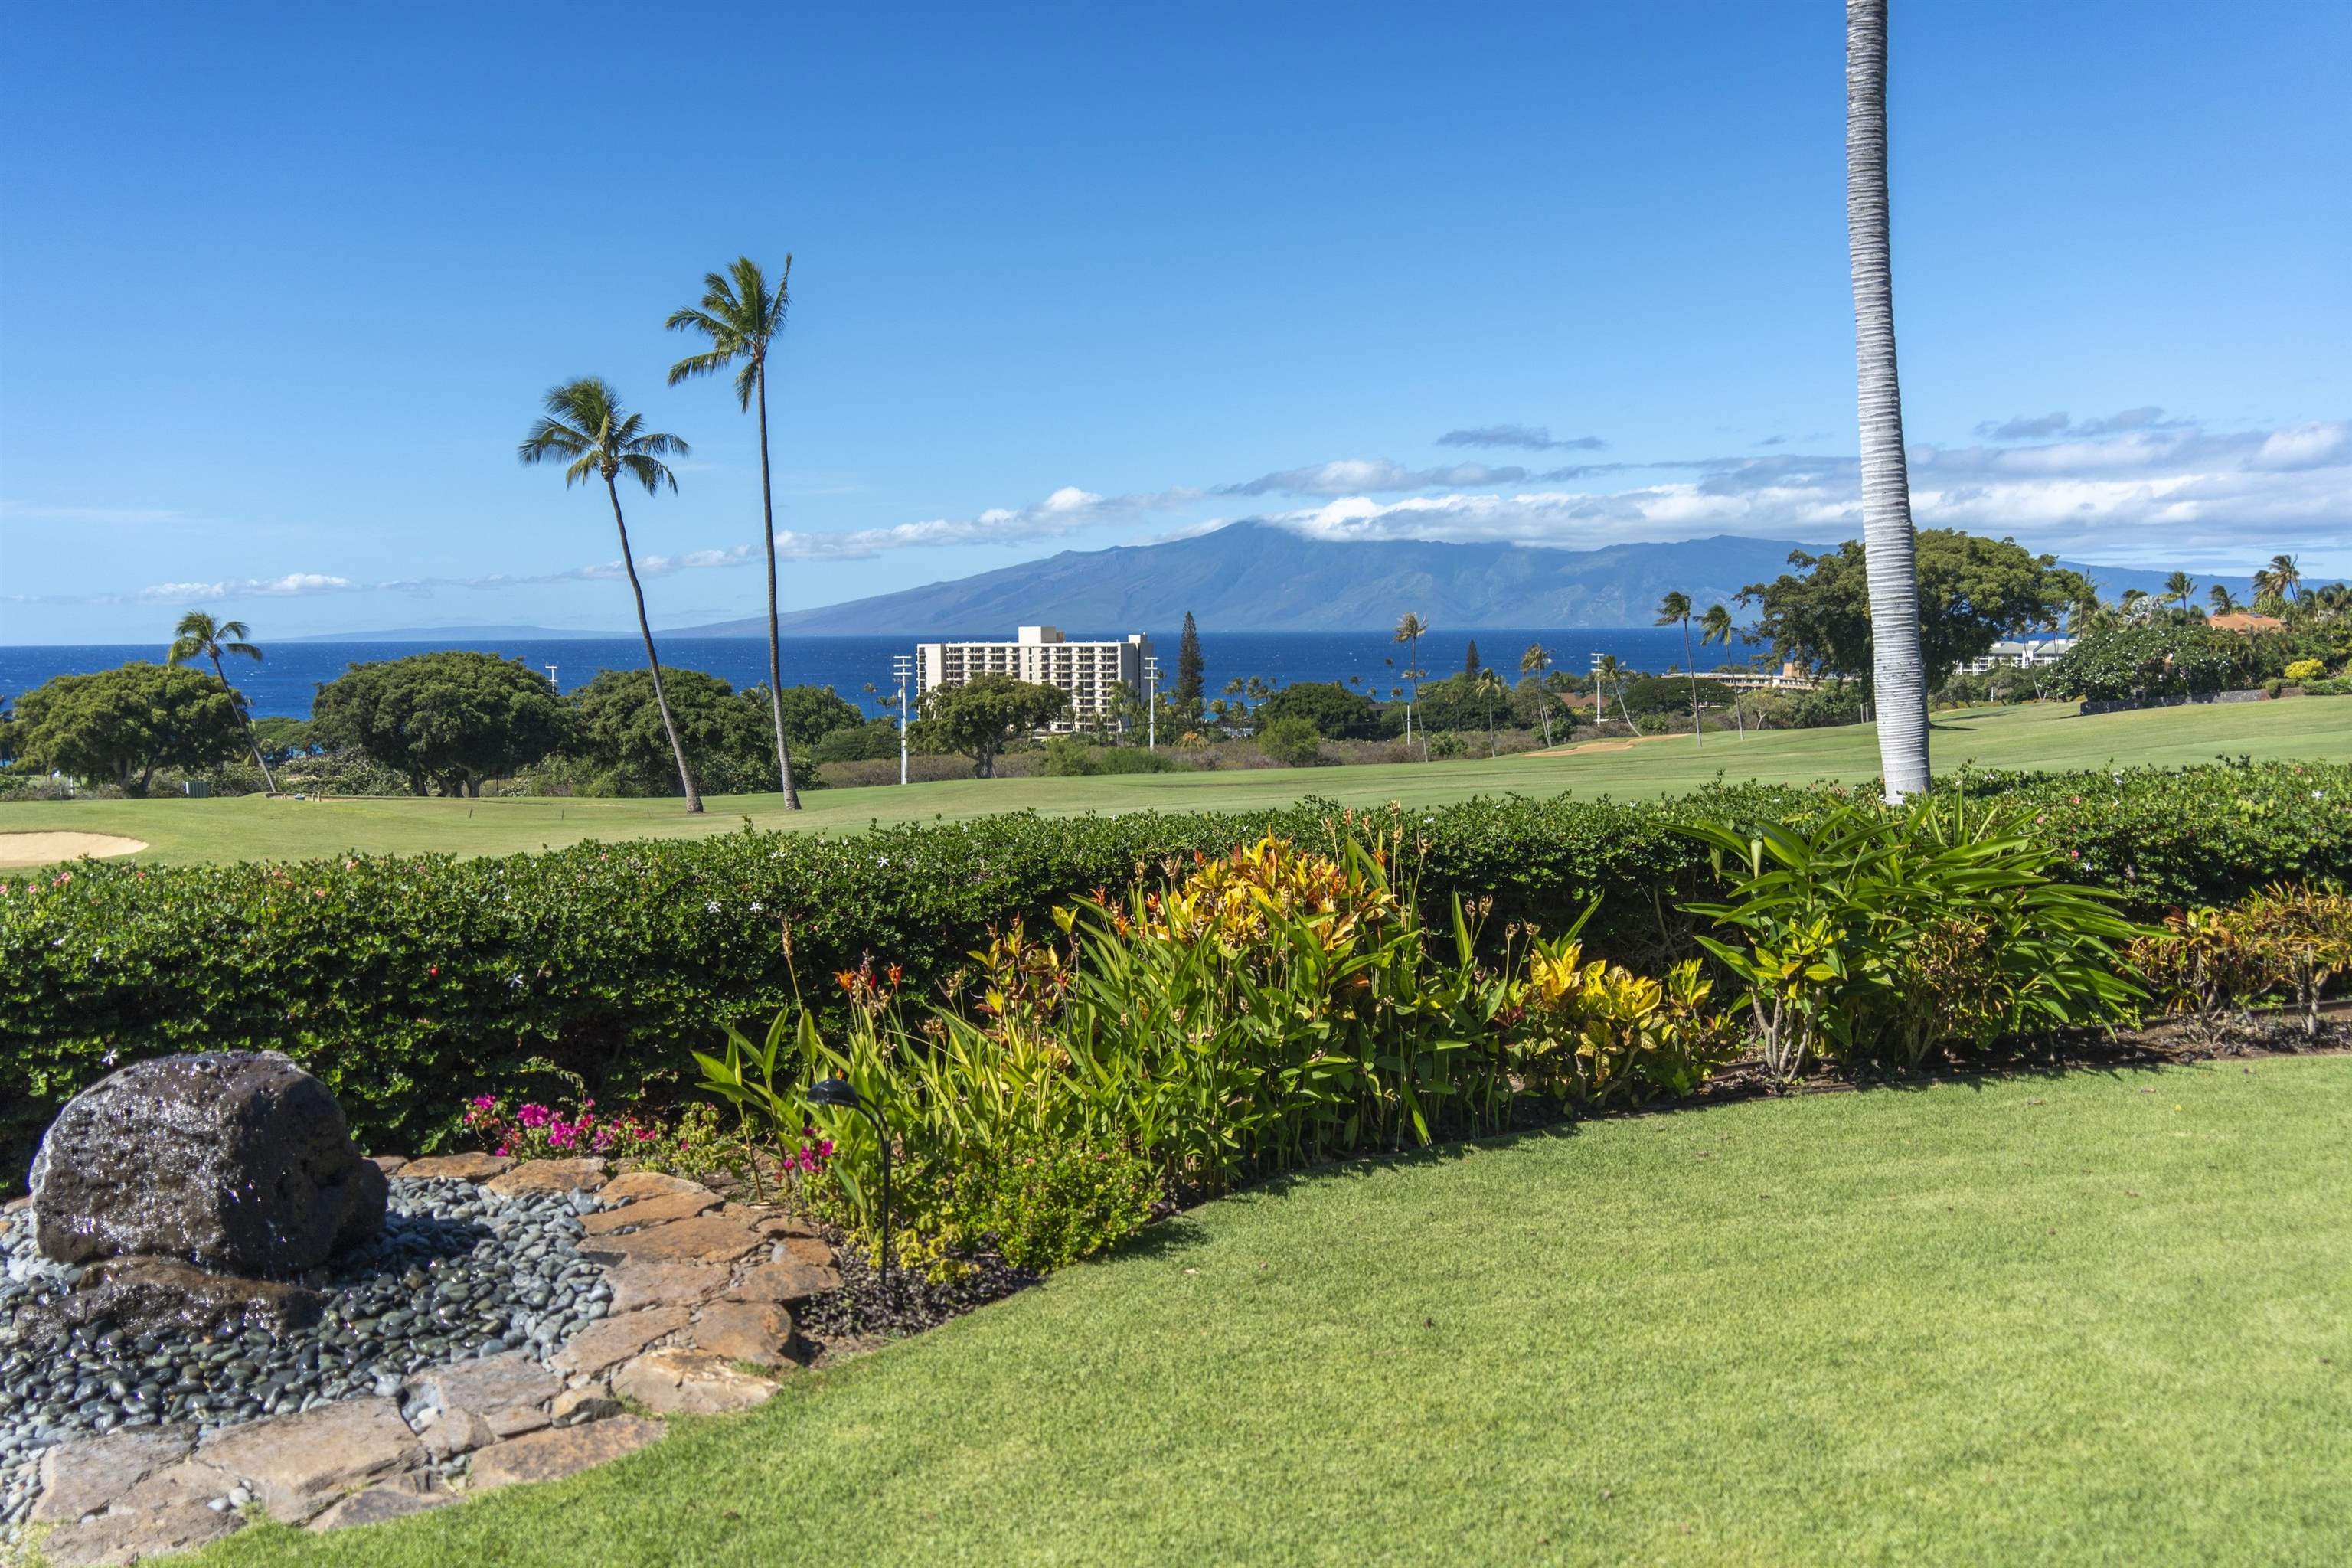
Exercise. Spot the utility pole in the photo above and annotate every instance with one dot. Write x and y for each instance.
(550, 679)
(902, 665)
(1599, 697)
(1151, 702)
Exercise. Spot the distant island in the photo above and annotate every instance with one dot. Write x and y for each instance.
(1257, 576)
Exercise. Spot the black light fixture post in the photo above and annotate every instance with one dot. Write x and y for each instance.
(841, 1092)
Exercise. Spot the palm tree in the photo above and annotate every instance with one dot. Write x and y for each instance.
(1535, 662)
(1676, 607)
(1606, 669)
(1488, 684)
(586, 423)
(2180, 587)
(1898, 671)
(1716, 626)
(2282, 576)
(2223, 601)
(741, 317)
(198, 636)
(1409, 629)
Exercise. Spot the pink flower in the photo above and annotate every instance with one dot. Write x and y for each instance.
(535, 1116)
(484, 1102)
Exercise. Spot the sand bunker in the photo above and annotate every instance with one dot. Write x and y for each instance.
(45, 849)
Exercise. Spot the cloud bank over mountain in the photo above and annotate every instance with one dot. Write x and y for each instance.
(2137, 484)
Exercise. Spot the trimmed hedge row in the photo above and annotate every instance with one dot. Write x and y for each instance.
(408, 983)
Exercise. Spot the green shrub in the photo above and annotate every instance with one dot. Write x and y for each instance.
(2174, 838)
(1293, 742)
(1037, 1204)
(412, 981)
(1876, 933)
(1075, 756)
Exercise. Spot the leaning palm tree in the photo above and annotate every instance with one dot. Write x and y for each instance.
(587, 423)
(741, 316)
(1716, 626)
(2180, 587)
(198, 636)
(1409, 629)
(2282, 576)
(1535, 662)
(1897, 668)
(2223, 601)
(1676, 607)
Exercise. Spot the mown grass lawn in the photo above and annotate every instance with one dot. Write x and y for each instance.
(2101, 1318)
(2037, 736)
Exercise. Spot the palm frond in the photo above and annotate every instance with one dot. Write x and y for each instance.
(706, 363)
(647, 472)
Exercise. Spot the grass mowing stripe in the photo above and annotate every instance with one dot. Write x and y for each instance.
(2046, 1320)
(2039, 735)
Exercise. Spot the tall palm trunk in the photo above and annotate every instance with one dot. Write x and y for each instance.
(653, 659)
(1898, 674)
(775, 652)
(245, 719)
(1690, 663)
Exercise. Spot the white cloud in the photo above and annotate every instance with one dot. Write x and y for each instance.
(2155, 489)
(1369, 476)
(2310, 446)
(293, 584)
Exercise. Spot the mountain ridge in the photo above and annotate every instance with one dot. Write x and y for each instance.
(1257, 576)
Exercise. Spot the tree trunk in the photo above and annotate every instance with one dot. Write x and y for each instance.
(1898, 677)
(247, 720)
(1691, 663)
(653, 659)
(775, 654)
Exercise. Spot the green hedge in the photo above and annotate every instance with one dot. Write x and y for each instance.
(409, 982)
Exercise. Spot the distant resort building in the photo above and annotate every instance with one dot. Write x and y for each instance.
(2014, 655)
(1089, 673)
(1788, 678)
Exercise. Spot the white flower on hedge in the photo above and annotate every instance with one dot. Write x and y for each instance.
(712, 907)
(755, 906)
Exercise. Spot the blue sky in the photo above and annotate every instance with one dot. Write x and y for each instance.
(281, 287)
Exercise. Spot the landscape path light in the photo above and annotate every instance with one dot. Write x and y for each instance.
(842, 1093)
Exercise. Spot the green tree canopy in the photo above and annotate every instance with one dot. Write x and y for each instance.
(7, 731)
(812, 712)
(121, 725)
(977, 717)
(619, 729)
(1337, 713)
(1973, 592)
(2139, 661)
(449, 719)
(1674, 694)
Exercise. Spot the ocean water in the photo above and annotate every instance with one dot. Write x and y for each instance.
(290, 673)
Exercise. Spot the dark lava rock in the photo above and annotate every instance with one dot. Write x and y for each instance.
(179, 1301)
(238, 1160)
